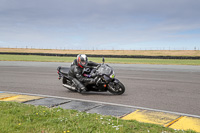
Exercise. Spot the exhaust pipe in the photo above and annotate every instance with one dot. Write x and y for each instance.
(69, 87)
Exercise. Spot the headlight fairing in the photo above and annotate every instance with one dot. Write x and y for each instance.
(106, 78)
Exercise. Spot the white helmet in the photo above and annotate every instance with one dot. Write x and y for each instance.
(82, 60)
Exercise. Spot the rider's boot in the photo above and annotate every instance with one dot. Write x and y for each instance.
(81, 90)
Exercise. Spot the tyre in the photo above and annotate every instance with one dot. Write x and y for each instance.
(116, 88)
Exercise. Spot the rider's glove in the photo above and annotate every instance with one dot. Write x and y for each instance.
(87, 75)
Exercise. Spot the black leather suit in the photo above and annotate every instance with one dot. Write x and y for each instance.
(75, 72)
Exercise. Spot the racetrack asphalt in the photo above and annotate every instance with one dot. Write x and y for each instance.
(163, 87)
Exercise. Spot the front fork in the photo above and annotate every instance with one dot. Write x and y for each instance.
(114, 81)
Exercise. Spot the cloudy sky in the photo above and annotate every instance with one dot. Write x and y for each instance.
(100, 24)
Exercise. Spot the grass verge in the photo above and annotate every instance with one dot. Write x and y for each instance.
(108, 60)
(22, 118)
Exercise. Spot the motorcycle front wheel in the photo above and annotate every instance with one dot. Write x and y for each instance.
(116, 88)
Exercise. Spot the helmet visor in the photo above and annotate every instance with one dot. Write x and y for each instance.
(83, 62)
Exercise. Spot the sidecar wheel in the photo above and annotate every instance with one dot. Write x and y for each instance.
(116, 88)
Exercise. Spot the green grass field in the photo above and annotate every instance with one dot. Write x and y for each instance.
(22, 118)
(99, 60)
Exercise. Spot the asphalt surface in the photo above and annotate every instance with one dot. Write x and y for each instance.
(163, 87)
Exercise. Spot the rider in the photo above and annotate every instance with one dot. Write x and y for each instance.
(76, 72)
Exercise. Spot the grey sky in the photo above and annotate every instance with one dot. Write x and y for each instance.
(102, 24)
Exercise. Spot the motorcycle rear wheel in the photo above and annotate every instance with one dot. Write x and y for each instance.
(116, 88)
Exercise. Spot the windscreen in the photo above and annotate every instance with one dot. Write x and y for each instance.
(105, 69)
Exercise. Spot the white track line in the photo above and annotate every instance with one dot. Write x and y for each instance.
(129, 106)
